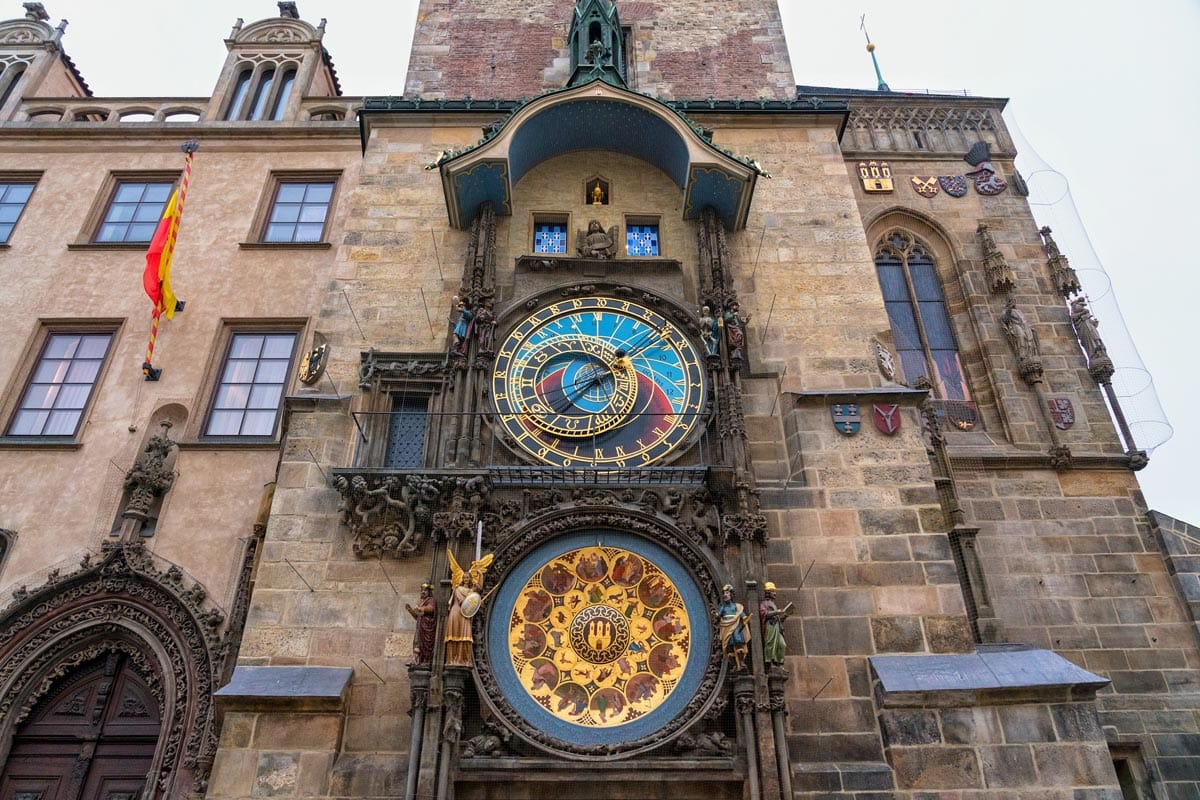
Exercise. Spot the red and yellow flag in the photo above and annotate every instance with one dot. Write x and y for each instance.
(157, 277)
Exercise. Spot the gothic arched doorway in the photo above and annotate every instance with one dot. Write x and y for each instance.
(93, 735)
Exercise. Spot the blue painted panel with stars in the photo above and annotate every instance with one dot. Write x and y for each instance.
(641, 240)
(550, 237)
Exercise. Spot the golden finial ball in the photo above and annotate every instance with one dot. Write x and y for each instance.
(870, 47)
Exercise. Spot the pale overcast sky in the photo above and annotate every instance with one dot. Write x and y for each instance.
(1104, 92)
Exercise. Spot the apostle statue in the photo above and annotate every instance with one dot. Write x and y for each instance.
(772, 616)
(425, 613)
(735, 628)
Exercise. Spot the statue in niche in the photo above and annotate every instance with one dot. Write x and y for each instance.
(151, 475)
(1021, 336)
(735, 333)
(734, 627)
(596, 242)
(464, 604)
(710, 332)
(485, 327)
(1087, 329)
(462, 326)
(425, 613)
(772, 616)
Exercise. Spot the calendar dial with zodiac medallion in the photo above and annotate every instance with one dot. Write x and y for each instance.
(598, 382)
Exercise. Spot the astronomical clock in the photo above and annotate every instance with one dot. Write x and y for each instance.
(598, 638)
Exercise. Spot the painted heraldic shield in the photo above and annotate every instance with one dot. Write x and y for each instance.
(1062, 412)
(846, 418)
(953, 185)
(886, 417)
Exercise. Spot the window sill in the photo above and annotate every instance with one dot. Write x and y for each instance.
(284, 245)
(138, 246)
(246, 443)
(39, 443)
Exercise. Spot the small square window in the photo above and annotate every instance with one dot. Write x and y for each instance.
(642, 240)
(251, 383)
(61, 384)
(13, 197)
(298, 212)
(550, 237)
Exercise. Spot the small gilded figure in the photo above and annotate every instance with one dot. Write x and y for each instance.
(596, 243)
(735, 628)
(772, 616)
(462, 326)
(425, 613)
(464, 604)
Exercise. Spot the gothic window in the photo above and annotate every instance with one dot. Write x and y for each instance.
(921, 329)
(261, 92)
(241, 88)
(281, 97)
(10, 76)
(253, 376)
(61, 384)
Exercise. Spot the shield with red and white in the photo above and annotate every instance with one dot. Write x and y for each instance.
(886, 417)
(1062, 412)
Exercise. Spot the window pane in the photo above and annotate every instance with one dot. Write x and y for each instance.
(92, 346)
(913, 364)
(319, 193)
(28, 423)
(246, 345)
(232, 395)
(73, 395)
(83, 371)
(291, 193)
(9, 213)
(51, 371)
(312, 213)
(266, 396)
(239, 371)
(5, 232)
(925, 281)
(129, 192)
(61, 346)
(271, 372)
(224, 423)
(937, 326)
(41, 395)
(121, 212)
(111, 233)
(276, 346)
(953, 382)
(158, 193)
(18, 193)
(279, 233)
(61, 423)
(285, 212)
(904, 326)
(308, 233)
(147, 213)
(258, 423)
(140, 232)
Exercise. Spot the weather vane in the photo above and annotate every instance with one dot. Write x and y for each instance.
(862, 26)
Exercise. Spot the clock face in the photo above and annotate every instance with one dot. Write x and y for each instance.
(598, 381)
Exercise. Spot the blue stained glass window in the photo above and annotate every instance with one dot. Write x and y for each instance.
(550, 237)
(641, 240)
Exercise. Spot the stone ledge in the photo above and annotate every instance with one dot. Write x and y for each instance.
(898, 394)
(285, 689)
(992, 676)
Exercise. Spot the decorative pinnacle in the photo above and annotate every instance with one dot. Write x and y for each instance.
(862, 25)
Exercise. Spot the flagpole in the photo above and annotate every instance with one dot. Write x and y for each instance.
(166, 301)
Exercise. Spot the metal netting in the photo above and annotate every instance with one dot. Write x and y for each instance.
(1052, 205)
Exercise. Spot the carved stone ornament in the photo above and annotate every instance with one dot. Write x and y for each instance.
(376, 366)
(1023, 340)
(1000, 276)
(564, 519)
(121, 603)
(392, 515)
(595, 242)
(884, 360)
(1062, 274)
(152, 475)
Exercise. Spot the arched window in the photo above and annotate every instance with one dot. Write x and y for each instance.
(10, 78)
(261, 94)
(240, 88)
(281, 98)
(921, 329)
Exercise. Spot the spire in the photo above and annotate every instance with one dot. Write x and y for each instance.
(597, 43)
(883, 87)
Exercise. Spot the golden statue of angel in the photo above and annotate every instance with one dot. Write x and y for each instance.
(465, 601)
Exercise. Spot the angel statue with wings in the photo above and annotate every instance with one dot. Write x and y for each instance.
(465, 601)
(596, 243)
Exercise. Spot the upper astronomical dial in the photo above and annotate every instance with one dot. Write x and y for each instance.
(598, 381)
